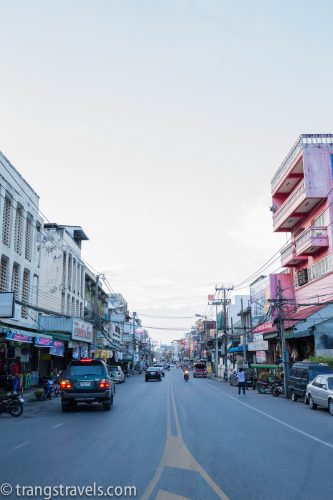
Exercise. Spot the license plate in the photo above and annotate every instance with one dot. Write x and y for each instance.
(84, 384)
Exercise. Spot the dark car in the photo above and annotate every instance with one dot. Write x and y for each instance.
(248, 378)
(87, 381)
(300, 375)
(200, 370)
(153, 373)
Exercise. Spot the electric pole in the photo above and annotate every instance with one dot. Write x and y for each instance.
(225, 327)
(244, 335)
(284, 350)
(133, 317)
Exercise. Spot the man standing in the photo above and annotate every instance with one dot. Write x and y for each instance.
(241, 381)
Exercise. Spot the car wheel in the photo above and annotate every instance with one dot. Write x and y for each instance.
(160, 379)
(312, 405)
(65, 406)
(293, 396)
(330, 406)
(106, 406)
(146, 379)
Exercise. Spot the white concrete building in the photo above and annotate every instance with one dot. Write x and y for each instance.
(63, 277)
(20, 234)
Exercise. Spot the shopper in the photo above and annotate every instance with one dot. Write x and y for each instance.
(241, 381)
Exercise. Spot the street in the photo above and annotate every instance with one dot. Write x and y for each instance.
(197, 440)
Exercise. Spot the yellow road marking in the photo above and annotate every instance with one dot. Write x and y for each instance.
(165, 495)
(177, 455)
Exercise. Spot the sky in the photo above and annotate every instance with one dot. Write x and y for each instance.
(157, 126)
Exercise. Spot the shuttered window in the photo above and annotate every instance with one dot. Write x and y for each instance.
(18, 230)
(28, 239)
(25, 292)
(4, 271)
(6, 226)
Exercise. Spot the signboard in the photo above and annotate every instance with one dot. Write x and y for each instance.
(82, 330)
(58, 348)
(43, 342)
(257, 336)
(259, 345)
(261, 356)
(19, 337)
(7, 305)
(259, 296)
(117, 318)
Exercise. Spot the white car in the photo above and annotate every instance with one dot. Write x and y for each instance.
(319, 392)
(117, 374)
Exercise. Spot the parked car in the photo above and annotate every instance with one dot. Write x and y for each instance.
(320, 392)
(87, 381)
(117, 374)
(160, 367)
(248, 378)
(300, 375)
(153, 373)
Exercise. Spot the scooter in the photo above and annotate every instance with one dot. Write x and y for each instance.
(51, 388)
(12, 403)
(186, 376)
(264, 387)
(278, 390)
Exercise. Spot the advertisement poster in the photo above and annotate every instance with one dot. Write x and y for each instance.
(43, 342)
(19, 337)
(82, 330)
(58, 348)
(261, 356)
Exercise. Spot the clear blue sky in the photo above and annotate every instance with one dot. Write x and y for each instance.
(157, 126)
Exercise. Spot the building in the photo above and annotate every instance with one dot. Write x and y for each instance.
(63, 277)
(302, 199)
(21, 229)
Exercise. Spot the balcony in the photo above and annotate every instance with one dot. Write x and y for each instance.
(296, 207)
(311, 241)
(289, 257)
(292, 169)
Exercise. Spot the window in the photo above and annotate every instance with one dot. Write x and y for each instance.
(69, 276)
(64, 269)
(321, 267)
(18, 230)
(73, 307)
(28, 239)
(330, 382)
(4, 271)
(74, 276)
(25, 292)
(6, 226)
(68, 306)
(302, 277)
(77, 313)
(16, 279)
(321, 220)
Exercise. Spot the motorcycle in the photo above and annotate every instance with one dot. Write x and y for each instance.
(278, 390)
(51, 388)
(12, 403)
(186, 376)
(264, 387)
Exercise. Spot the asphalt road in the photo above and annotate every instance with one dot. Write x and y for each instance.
(174, 440)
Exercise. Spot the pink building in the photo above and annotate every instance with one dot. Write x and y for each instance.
(302, 205)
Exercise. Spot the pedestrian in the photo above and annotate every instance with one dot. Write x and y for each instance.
(241, 381)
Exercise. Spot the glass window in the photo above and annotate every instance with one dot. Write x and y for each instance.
(330, 382)
(81, 370)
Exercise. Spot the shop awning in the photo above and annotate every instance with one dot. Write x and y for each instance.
(239, 348)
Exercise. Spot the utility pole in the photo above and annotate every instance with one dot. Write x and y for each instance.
(225, 327)
(133, 318)
(216, 345)
(284, 350)
(96, 312)
(244, 335)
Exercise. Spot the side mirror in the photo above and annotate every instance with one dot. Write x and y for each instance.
(324, 386)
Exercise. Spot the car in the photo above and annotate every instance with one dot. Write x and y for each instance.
(319, 392)
(153, 373)
(161, 368)
(200, 370)
(300, 375)
(117, 374)
(87, 381)
(248, 378)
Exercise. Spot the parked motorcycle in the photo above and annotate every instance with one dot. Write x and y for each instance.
(11, 403)
(51, 388)
(264, 387)
(278, 390)
(186, 375)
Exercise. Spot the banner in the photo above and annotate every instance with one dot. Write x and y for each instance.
(82, 330)
(43, 342)
(19, 337)
(58, 348)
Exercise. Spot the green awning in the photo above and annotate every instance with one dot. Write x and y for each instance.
(56, 335)
(259, 365)
(270, 336)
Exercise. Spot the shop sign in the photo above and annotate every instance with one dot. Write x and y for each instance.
(84, 351)
(259, 345)
(257, 336)
(43, 342)
(19, 337)
(58, 348)
(82, 331)
(261, 356)
(7, 305)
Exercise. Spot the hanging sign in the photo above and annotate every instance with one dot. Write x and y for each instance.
(82, 331)
(43, 342)
(19, 337)
(58, 348)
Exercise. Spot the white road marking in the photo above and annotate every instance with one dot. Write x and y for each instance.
(21, 445)
(281, 422)
(58, 425)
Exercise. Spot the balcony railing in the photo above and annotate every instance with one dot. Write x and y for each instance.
(312, 237)
(289, 202)
(289, 257)
(296, 149)
(287, 252)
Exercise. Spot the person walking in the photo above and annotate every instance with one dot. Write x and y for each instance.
(241, 381)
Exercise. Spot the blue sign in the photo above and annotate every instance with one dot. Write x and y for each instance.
(43, 342)
(58, 348)
(19, 337)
